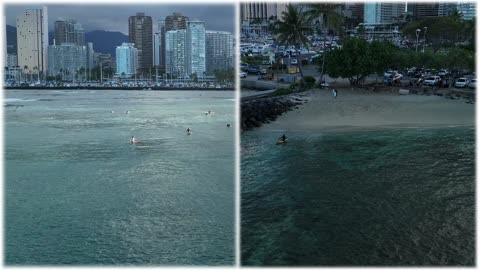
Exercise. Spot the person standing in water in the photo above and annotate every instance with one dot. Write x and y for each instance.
(189, 131)
(133, 140)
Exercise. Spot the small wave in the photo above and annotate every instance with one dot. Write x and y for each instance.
(17, 100)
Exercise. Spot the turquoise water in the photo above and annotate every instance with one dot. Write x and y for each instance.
(76, 192)
(381, 197)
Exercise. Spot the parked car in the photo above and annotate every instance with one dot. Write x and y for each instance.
(255, 70)
(461, 83)
(432, 80)
(413, 71)
(243, 74)
(473, 84)
(294, 61)
(391, 76)
(315, 57)
(442, 73)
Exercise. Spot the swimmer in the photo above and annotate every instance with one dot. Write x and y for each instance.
(228, 125)
(189, 131)
(127, 112)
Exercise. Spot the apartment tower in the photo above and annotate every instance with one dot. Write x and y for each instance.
(140, 33)
(32, 40)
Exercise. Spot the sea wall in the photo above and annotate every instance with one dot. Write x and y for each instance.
(261, 111)
(256, 85)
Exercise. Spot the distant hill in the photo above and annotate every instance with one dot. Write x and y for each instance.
(103, 41)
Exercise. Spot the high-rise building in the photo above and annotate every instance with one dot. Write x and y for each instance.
(90, 58)
(104, 60)
(355, 10)
(426, 9)
(32, 40)
(159, 45)
(127, 58)
(446, 8)
(195, 48)
(176, 21)
(261, 11)
(219, 51)
(467, 9)
(78, 34)
(140, 33)
(11, 60)
(383, 12)
(68, 60)
(175, 59)
(68, 31)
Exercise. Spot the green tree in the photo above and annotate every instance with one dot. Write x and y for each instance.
(325, 15)
(293, 29)
(81, 71)
(358, 58)
(443, 31)
(227, 75)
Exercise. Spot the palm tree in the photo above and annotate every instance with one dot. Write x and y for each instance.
(25, 68)
(328, 17)
(35, 68)
(292, 29)
(81, 71)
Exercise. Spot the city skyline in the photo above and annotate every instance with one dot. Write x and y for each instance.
(115, 18)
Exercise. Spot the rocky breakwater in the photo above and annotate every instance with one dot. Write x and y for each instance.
(261, 111)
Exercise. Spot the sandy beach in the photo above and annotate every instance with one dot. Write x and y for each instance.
(360, 109)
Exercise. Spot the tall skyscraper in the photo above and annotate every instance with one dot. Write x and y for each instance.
(140, 33)
(68, 31)
(159, 45)
(175, 60)
(446, 8)
(68, 60)
(219, 51)
(427, 9)
(90, 58)
(195, 49)
(261, 10)
(127, 58)
(355, 10)
(383, 12)
(467, 9)
(32, 40)
(176, 21)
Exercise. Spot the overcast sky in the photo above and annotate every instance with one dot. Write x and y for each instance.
(115, 17)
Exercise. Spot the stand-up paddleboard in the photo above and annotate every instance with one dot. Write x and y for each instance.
(282, 141)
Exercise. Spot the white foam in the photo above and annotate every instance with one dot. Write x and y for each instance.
(17, 99)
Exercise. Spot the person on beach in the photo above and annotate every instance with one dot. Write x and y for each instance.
(334, 92)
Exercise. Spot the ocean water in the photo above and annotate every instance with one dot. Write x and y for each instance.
(386, 197)
(77, 193)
